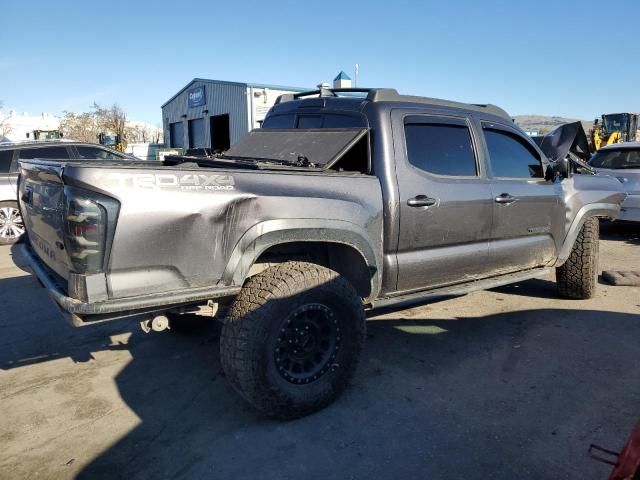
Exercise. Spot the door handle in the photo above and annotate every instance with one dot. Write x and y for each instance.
(422, 201)
(505, 198)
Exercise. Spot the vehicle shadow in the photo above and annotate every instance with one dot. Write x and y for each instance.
(414, 402)
(511, 395)
(626, 232)
(536, 287)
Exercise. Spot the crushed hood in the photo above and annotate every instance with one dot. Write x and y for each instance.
(566, 138)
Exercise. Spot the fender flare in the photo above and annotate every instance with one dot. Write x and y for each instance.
(267, 234)
(607, 210)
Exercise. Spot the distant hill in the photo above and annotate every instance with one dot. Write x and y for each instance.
(546, 124)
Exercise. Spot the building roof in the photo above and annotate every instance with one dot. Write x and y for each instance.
(342, 76)
(240, 84)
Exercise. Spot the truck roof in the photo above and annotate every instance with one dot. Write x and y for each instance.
(378, 95)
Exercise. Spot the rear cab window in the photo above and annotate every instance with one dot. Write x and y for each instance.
(357, 159)
(440, 146)
(315, 120)
(510, 155)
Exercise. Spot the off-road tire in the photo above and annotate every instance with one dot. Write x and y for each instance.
(577, 277)
(252, 330)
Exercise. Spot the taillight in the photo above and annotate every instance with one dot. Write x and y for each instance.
(89, 218)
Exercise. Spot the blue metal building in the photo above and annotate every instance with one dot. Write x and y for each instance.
(216, 114)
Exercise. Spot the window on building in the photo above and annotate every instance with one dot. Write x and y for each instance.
(442, 149)
(511, 156)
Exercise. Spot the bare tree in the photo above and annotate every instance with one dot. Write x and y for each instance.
(80, 126)
(111, 119)
(5, 126)
(86, 126)
(143, 133)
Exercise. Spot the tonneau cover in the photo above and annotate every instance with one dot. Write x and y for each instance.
(322, 147)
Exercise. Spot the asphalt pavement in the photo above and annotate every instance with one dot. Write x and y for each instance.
(512, 383)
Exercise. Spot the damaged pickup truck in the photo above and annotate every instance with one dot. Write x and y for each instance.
(345, 201)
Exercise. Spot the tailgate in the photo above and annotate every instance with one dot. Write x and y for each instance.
(42, 202)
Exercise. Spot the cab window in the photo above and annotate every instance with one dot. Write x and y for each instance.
(511, 156)
(442, 149)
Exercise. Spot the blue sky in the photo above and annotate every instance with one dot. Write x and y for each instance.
(567, 58)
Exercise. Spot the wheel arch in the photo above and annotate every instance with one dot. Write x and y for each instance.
(340, 245)
(600, 210)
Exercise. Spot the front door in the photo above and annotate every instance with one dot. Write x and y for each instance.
(527, 214)
(445, 201)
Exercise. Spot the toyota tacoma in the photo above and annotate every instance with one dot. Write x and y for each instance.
(345, 201)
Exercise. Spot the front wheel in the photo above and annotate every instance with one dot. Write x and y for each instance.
(11, 225)
(577, 277)
(292, 339)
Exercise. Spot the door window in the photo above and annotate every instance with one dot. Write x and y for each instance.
(442, 149)
(511, 156)
(5, 161)
(44, 152)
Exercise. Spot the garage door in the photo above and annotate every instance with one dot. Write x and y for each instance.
(196, 133)
(176, 135)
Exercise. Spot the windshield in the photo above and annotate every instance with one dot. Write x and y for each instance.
(615, 123)
(616, 159)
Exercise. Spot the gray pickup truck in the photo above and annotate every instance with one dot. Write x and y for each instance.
(345, 201)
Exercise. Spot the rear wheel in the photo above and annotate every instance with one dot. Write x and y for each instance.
(577, 277)
(11, 225)
(293, 338)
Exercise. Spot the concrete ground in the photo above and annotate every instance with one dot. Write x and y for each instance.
(503, 384)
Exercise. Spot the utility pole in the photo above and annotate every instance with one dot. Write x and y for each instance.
(356, 75)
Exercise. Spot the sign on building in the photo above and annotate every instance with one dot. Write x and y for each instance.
(196, 97)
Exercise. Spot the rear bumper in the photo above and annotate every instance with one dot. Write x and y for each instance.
(630, 209)
(83, 313)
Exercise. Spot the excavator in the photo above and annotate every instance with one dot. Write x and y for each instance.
(615, 128)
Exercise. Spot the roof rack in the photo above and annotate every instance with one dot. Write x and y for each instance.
(392, 95)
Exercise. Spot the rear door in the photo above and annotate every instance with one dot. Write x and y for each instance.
(527, 211)
(445, 201)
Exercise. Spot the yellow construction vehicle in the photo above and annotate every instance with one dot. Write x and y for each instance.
(45, 134)
(615, 128)
(112, 140)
